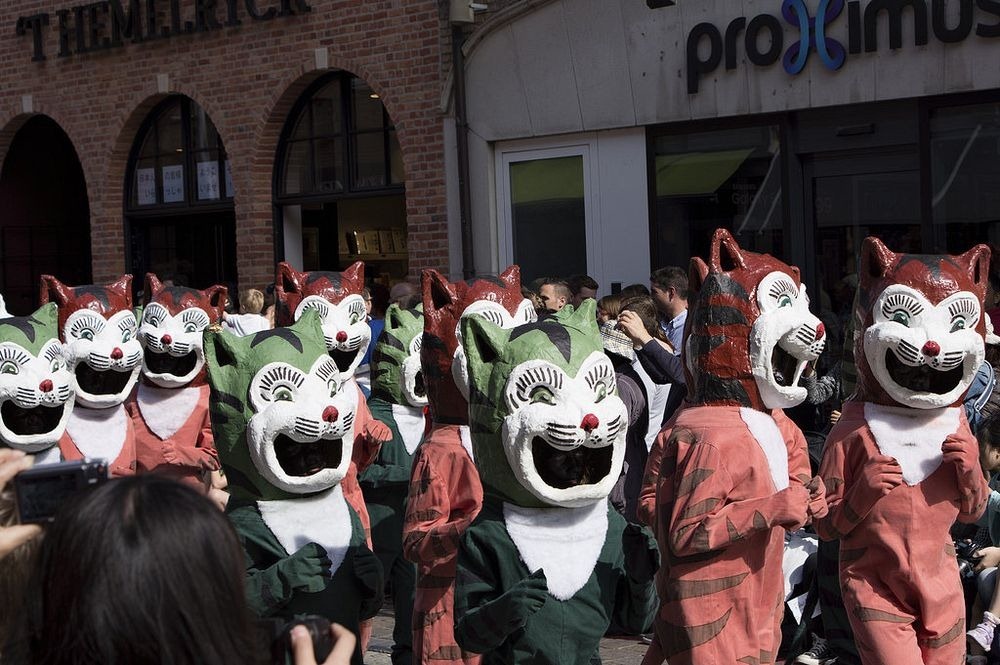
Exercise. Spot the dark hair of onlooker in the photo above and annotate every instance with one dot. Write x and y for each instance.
(612, 305)
(671, 277)
(633, 290)
(559, 286)
(141, 571)
(577, 282)
(644, 307)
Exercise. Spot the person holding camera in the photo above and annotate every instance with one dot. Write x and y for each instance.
(146, 571)
(12, 535)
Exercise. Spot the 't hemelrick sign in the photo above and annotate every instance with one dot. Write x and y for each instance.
(862, 33)
(108, 24)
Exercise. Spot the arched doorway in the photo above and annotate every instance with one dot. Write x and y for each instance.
(179, 215)
(45, 225)
(339, 194)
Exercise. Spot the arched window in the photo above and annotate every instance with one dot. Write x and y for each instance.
(179, 213)
(339, 180)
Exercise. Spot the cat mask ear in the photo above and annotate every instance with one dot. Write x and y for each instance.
(438, 293)
(726, 254)
(483, 342)
(52, 290)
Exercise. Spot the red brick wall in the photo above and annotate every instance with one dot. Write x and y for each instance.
(246, 78)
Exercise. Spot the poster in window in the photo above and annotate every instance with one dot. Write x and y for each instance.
(145, 186)
(229, 180)
(173, 183)
(208, 181)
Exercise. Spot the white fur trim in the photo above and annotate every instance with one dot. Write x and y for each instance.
(465, 435)
(564, 542)
(912, 436)
(772, 444)
(165, 410)
(410, 423)
(48, 456)
(323, 519)
(98, 433)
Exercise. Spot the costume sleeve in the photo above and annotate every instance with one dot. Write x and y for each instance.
(799, 469)
(646, 507)
(370, 576)
(201, 455)
(378, 476)
(703, 518)
(365, 449)
(661, 365)
(485, 616)
(837, 475)
(432, 526)
(972, 485)
(636, 600)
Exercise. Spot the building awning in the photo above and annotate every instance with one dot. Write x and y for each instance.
(697, 173)
(550, 179)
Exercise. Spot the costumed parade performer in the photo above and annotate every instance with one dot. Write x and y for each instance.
(445, 494)
(98, 330)
(173, 430)
(902, 465)
(284, 418)
(735, 470)
(548, 563)
(398, 399)
(36, 388)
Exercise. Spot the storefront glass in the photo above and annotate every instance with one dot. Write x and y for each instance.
(729, 178)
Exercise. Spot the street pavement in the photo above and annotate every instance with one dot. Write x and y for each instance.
(614, 651)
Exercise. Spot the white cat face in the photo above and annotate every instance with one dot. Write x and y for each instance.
(36, 396)
(104, 356)
(924, 356)
(411, 377)
(301, 435)
(345, 329)
(173, 345)
(565, 435)
(783, 340)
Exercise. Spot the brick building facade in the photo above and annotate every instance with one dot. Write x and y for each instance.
(246, 77)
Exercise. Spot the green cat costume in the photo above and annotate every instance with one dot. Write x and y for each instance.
(398, 399)
(547, 564)
(284, 428)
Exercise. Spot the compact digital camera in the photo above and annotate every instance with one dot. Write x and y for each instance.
(277, 634)
(41, 490)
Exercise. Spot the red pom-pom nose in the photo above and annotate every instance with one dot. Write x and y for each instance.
(932, 349)
(342, 337)
(45, 386)
(820, 331)
(166, 340)
(116, 354)
(590, 423)
(330, 414)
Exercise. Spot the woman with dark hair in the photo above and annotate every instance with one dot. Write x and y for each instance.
(145, 571)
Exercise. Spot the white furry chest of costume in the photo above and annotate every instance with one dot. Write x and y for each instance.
(410, 423)
(912, 436)
(763, 428)
(98, 433)
(564, 542)
(324, 519)
(165, 410)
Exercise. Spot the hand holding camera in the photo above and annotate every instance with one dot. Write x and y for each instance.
(337, 642)
(11, 463)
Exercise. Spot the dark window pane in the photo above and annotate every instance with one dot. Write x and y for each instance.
(329, 157)
(298, 168)
(171, 130)
(326, 111)
(369, 152)
(204, 135)
(548, 213)
(367, 106)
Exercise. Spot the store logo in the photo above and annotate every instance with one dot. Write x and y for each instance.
(762, 39)
(813, 30)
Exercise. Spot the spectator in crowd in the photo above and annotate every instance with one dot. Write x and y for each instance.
(669, 288)
(404, 295)
(249, 320)
(633, 290)
(146, 571)
(269, 304)
(581, 287)
(363, 373)
(18, 548)
(554, 294)
(608, 309)
(655, 352)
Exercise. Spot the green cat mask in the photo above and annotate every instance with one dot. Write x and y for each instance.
(397, 377)
(282, 417)
(548, 428)
(36, 393)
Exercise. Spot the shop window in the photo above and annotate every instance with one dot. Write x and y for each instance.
(965, 176)
(705, 180)
(179, 212)
(339, 181)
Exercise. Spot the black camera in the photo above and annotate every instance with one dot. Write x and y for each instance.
(41, 490)
(967, 553)
(276, 635)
